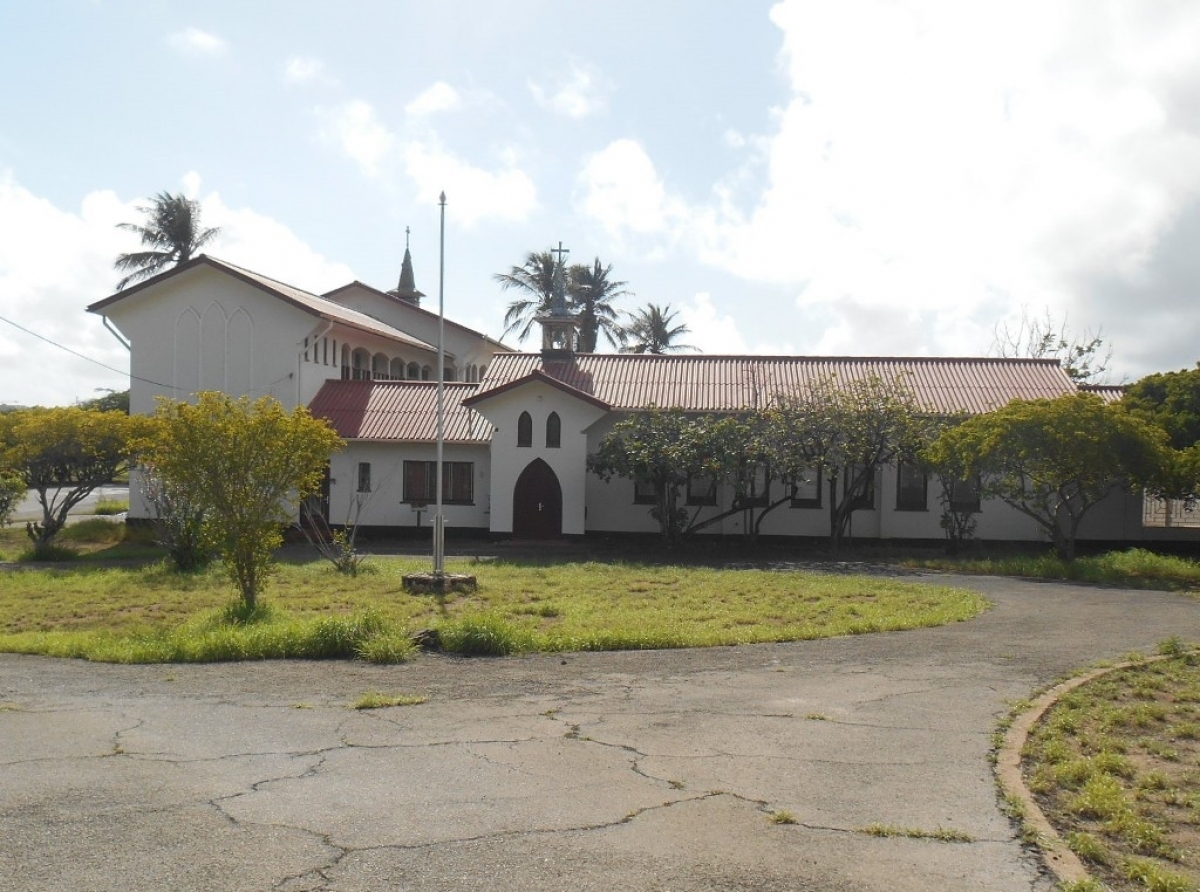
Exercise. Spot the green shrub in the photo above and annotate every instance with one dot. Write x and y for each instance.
(484, 635)
(110, 507)
(49, 552)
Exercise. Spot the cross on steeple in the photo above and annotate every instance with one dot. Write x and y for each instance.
(560, 251)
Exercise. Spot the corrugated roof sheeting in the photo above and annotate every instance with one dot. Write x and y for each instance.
(731, 383)
(399, 410)
(325, 307)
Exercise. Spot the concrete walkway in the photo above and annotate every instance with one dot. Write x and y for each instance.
(616, 771)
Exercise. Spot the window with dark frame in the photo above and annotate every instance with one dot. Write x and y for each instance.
(757, 493)
(553, 431)
(964, 496)
(525, 429)
(645, 492)
(458, 482)
(864, 500)
(912, 487)
(702, 490)
(807, 493)
(364, 476)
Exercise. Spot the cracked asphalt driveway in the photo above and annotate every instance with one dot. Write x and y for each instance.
(646, 770)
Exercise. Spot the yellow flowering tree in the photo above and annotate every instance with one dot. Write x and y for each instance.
(249, 462)
(63, 454)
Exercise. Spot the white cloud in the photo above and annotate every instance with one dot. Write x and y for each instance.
(54, 262)
(439, 97)
(267, 246)
(622, 190)
(356, 128)
(304, 70)
(582, 92)
(940, 163)
(194, 42)
(472, 193)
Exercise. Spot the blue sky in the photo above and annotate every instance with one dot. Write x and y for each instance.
(867, 177)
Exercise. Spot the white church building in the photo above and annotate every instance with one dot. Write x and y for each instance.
(518, 427)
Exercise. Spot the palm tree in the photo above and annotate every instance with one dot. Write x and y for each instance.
(172, 233)
(650, 331)
(592, 294)
(535, 281)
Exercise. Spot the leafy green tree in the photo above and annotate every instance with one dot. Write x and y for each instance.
(1172, 401)
(534, 282)
(592, 296)
(662, 448)
(651, 330)
(589, 292)
(171, 234)
(249, 463)
(12, 491)
(845, 430)
(1054, 459)
(179, 525)
(63, 454)
(959, 519)
(113, 401)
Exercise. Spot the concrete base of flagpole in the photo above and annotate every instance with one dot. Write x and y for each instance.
(439, 583)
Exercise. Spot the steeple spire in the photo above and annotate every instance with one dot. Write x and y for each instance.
(406, 290)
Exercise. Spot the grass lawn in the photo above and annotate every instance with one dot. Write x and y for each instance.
(1115, 766)
(96, 610)
(1131, 568)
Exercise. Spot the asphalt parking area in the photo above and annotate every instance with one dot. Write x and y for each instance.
(654, 770)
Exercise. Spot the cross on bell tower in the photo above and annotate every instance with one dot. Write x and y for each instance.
(559, 325)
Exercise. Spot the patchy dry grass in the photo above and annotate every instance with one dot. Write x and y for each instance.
(1115, 765)
(151, 613)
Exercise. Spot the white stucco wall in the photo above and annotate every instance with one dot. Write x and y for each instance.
(385, 505)
(568, 461)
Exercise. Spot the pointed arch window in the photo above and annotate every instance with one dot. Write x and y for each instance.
(525, 430)
(553, 431)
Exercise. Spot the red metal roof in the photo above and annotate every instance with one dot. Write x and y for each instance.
(730, 383)
(1110, 393)
(399, 410)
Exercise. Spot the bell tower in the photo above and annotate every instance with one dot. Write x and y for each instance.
(560, 328)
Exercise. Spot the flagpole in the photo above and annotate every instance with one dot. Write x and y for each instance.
(439, 522)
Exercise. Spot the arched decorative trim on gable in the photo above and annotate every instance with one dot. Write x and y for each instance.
(553, 431)
(525, 430)
(187, 353)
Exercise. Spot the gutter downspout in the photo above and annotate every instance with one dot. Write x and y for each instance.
(116, 334)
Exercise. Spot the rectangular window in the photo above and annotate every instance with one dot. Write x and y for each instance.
(364, 476)
(306, 348)
(807, 493)
(912, 488)
(864, 500)
(964, 496)
(324, 351)
(644, 492)
(756, 488)
(702, 490)
(458, 482)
